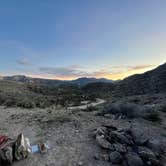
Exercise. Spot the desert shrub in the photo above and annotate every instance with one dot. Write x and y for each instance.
(129, 110)
(153, 117)
(61, 116)
(26, 103)
(10, 102)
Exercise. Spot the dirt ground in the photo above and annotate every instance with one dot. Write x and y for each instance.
(68, 133)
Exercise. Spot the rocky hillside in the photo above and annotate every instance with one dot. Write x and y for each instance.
(153, 81)
(150, 82)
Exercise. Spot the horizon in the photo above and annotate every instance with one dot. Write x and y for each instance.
(66, 40)
(1, 76)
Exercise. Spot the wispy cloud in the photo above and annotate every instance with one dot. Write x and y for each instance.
(140, 67)
(71, 71)
(74, 71)
(24, 61)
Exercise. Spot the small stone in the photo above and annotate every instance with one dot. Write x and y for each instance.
(105, 157)
(100, 131)
(119, 148)
(140, 138)
(103, 142)
(115, 157)
(80, 163)
(133, 159)
(146, 153)
(120, 137)
(154, 162)
(155, 145)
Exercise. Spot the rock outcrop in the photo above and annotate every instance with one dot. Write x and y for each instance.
(128, 147)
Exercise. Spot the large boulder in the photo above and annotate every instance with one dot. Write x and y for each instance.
(115, 157)
(133, 159)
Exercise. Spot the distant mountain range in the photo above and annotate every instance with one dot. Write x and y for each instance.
(153, 81)
(80, 81)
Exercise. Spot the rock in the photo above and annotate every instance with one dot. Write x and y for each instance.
(100, 131)
(103, 157)
(119, 148)
(96, 156)
(80, 163)
(103, 142)
(146, 153)
(155, 145)
(154, 162)
(133, 159)
(115, 157)
(140, 138)
(120, 137)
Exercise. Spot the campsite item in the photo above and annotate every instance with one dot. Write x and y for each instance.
(40, 148)
(6, 151)
(35, 149)
(22, 147)
(3, 141)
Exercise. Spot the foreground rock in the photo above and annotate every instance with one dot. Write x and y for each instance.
(129, 147)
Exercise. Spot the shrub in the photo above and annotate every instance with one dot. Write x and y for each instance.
(26, 104)
(10, 102)
(129, 110)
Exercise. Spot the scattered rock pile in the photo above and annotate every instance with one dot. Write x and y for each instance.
(128, 147)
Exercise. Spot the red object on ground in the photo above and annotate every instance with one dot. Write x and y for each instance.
(3, 141)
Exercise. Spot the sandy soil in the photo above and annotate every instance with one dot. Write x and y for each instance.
(69, 134)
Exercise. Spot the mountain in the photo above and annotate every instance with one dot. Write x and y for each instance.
(80, 81)
(84, 81)
(150, 82)
(153, 81)
(40, 81)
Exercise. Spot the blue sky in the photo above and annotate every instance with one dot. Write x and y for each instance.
(66, 39)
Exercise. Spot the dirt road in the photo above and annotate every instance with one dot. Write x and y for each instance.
(83, 107)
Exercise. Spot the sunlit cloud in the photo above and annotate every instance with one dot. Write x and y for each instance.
(73, 71)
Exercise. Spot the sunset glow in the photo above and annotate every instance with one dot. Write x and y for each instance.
(71, 39)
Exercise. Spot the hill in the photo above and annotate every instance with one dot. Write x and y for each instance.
(84, 81)
(150, 82)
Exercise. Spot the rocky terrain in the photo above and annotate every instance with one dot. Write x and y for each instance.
(130, 146)
(100, 124)
(85, 138)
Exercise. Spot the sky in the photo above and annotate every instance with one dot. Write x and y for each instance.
(67, 39)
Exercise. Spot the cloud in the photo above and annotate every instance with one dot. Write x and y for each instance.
(24, 61)
(140, 67)
(71, 72)
(74, 71)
